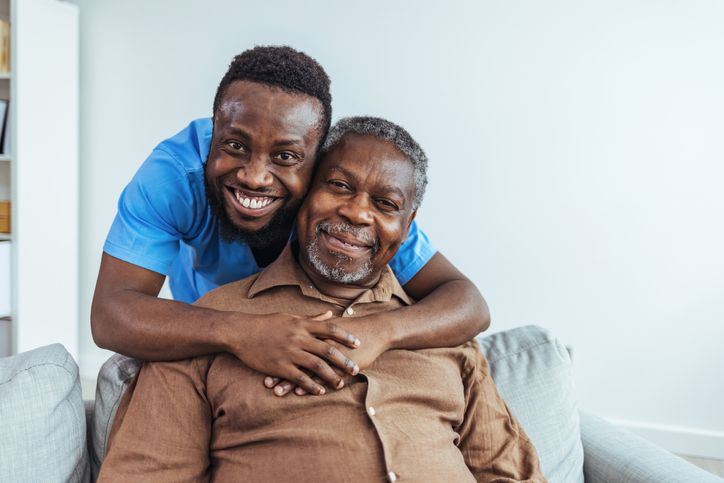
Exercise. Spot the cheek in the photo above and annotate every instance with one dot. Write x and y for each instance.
(390, 235)
(296, 181)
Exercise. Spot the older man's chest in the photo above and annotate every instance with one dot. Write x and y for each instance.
(406, 405)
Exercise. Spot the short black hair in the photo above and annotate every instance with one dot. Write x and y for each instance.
(284, 67)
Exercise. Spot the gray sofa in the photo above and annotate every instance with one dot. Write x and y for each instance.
(47, 434)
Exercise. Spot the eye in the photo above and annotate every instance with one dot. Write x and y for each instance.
(286, 158)
(387, 204)
(236, 146)
(338, 185)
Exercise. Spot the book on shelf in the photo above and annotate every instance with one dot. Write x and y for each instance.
(4, 46)
(4, 126)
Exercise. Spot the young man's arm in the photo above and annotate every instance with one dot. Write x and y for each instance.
(450, 312)
(127, 317)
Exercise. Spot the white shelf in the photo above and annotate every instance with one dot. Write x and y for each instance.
(5, 75)
(5, 157)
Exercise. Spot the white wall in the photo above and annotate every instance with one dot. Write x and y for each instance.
(576, 156)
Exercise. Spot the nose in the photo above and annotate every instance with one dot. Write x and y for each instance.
(255, 173)
(357, 210)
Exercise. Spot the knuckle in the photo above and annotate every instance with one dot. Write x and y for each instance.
(300, 379)
(329, 351)
(318, 365)
(332, 327)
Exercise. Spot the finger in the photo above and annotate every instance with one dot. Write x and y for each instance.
(305, 382)
(324, 316)
(329, 330)
(301, 392)
(334, 356)
(283, 388)
(270, 381)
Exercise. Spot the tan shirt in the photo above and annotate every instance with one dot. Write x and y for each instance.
(428, 415)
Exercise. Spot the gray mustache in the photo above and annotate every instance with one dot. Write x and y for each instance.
(347, 229)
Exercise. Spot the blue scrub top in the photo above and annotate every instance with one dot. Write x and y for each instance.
(164, 223)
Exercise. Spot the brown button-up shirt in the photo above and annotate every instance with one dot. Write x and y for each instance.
(428, 415)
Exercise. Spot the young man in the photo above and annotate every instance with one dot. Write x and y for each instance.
(209, 418)
(209, 221)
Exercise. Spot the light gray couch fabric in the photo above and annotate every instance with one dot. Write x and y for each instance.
(532, 371)
(616, 455)
(113, 379)
(42, 418)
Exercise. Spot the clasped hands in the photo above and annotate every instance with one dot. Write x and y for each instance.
(307, 353)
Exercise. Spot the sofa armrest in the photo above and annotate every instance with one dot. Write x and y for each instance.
(614, 454)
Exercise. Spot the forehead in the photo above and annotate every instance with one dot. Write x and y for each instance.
(371, 160)
(268, 108)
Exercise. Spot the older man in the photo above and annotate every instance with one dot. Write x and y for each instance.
(209, 418)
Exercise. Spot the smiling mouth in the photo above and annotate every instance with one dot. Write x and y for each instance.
(252, 205)
(348, 244)
(345, 241)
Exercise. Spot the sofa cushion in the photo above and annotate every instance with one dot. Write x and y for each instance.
(532, 371)
(42, 418)
(113, 379)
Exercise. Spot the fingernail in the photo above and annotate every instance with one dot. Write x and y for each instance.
(321, 391)
(341, 383)
(355, 370)
(278, 391)
(357, 343)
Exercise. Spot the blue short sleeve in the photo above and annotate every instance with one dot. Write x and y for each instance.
(412, 255)
(158, 207)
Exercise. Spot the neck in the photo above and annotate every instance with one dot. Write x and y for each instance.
(264, 256)
(336, 290)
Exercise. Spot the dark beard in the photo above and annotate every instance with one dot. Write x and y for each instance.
(270, 234)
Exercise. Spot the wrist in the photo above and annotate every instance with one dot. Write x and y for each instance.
(386, 330)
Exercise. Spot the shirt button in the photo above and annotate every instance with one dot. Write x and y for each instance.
(372, 411)
(350, 311)
(391, 476)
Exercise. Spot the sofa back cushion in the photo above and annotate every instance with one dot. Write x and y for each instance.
(42, 418)
(113, 379)
(532, 371)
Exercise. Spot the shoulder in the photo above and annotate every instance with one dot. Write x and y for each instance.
(190, 147)
(232, 296)
(169, 184)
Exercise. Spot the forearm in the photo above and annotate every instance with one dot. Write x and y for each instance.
(146, 327)
(450, 315)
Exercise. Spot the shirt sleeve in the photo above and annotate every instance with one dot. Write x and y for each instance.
(412, 255)
(493, 444)
(161, 205)
(162, 429)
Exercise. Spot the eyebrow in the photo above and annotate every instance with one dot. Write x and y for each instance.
(388, 188)
(235, 131)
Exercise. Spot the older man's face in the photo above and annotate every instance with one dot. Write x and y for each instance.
(358, 210)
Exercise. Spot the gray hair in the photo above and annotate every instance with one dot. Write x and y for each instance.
(388, 131)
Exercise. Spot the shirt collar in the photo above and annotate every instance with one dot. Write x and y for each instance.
(286, 270)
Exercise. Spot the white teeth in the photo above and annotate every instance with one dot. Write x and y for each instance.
(251, 202)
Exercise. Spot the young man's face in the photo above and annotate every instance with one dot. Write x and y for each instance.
(261, 160)
(358, 211)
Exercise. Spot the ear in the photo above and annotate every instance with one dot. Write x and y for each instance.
(409, 224)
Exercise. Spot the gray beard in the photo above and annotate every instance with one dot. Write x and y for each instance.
(337, 273)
